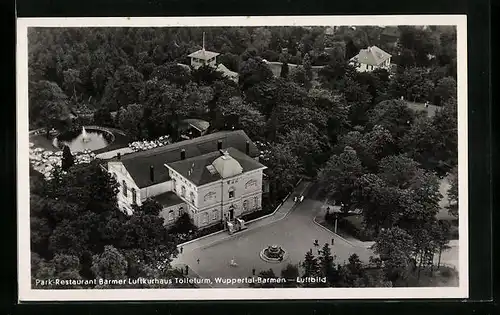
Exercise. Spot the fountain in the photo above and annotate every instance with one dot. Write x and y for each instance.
(273, 254)
(90, 139)
(85, 136)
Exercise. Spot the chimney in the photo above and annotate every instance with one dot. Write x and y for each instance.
(219, 145)
(118, 156)
(247, 148)
(152, 173)
(183, 154)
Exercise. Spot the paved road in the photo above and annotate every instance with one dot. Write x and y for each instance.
(295, 232)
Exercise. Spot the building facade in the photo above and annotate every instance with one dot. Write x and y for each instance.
(214, 178)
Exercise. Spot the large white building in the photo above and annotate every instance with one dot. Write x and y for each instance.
(213, 178)
(370, 59)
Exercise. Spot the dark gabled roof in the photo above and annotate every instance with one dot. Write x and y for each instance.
(138, 163)
(198, 124)
(168, 199)
(195, 169)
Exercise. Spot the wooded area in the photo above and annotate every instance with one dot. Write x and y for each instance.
(350, 130)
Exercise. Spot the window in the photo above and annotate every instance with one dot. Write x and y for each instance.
(214, 215)
(191, 195)
(171, 215)
(205, 218)
(181, 210)
(209, 196)
(245, 205)
(183, 191)
(134, 196)
(256, 202)
(124, 184)
(231, 192)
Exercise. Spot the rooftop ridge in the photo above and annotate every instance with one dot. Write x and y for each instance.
(180, 144)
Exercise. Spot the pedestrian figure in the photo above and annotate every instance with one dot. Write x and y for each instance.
(333, 241)
(316, 243)
(426, 104)
(181, 249)
(319, 252)
(253, 271)
(187, 268)
(295, 199)
(198, 260)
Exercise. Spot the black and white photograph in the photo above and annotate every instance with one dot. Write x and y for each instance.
(242, 158)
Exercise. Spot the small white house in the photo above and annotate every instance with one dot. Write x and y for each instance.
(370, 59)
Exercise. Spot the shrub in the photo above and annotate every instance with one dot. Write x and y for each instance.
(353, 225)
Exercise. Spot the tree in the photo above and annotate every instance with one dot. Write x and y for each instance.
(172, 73)
(253, 71)
(340, 174)
(307, 145)
(394, 115)
(445, 122)
(102, 117)
(284, 70)
(130, 120)
(284, 168)
(67, 158)
(298, 75)
(395, 248)
(446, 89)
(453, 192)
(124, 88)
(111, 264)
(311, 266)
(267, 274)
(183, 225)
(238, 114)
(206, 75)
(398, 170)
(48, 105)
(381, 204)
(290, 273)
(149, 207)
(306, 63)
(327, 266)
(71, 83)
(413, 84)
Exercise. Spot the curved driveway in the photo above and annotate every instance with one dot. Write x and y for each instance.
(295, 232)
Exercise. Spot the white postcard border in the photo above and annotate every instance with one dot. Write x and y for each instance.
(26, 293)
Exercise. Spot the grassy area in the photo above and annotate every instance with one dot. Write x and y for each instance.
(350, 226)
(431, 110)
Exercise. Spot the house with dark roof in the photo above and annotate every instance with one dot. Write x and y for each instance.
(214, 178)
(370, 59)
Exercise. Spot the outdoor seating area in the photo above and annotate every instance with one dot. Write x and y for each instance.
(45, 161)
(147, 145)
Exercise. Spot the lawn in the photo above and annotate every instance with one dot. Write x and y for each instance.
(420, 107)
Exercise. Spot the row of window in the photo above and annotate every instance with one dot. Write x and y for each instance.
(125, 189)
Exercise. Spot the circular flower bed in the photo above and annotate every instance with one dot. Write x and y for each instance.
(273, 254)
